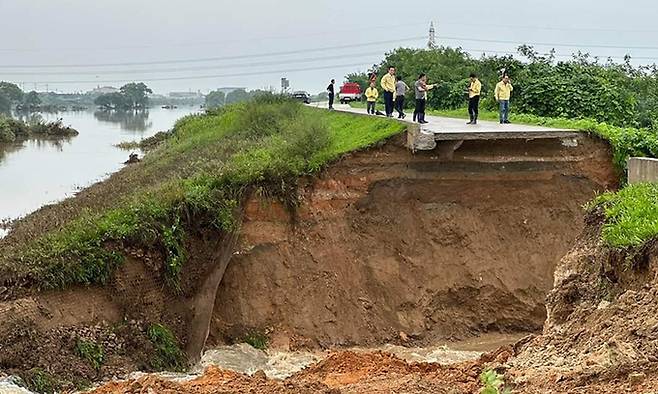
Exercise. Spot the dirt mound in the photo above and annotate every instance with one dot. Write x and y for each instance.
(215, 381)
(387, 242)
(602, 322)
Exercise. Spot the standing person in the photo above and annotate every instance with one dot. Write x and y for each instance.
(474, 90)
(388, 85)
(400, 91)
(330, 91)
(371, 97)
(421, 88)
(503, 93)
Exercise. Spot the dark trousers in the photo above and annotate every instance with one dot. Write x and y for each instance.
(371, 107)
(419, 112)
(504, 111)
(399, 106)
(331, 100)
(388, 103)
(473, 106)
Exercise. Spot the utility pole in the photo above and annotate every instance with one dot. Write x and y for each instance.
(431, 43)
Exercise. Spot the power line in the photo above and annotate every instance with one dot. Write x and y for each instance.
(179, 69)
(210, 43)
(546, 43)
(204, 76)
(554, 28)
(485, 51)
(212, 59)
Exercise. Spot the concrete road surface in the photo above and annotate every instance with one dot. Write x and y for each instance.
(456, 129)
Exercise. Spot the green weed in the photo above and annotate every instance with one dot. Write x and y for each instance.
(167, 356)
(40, 381)
(91, 352)
(631, 215)
(493, 383)
(257, 340)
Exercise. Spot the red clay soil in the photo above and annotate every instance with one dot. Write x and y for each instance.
(380, 373)
(388, 242)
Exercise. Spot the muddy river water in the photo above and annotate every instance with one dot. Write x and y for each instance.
(38, 172)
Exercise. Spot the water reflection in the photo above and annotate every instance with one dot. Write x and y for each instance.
(36, 172)
(129, 120)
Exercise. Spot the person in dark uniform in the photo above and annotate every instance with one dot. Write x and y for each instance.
(330, 91)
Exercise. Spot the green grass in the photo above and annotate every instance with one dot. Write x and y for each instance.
(91, 352)
(167, 356)
(257, 340)
(631, 215)
(40, 381)
(203, 173)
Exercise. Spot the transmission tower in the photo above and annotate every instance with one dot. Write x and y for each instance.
(431, 43)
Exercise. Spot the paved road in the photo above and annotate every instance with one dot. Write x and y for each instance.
(457, 129)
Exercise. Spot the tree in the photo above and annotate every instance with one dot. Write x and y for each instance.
(215, 99)
(135, 94)
(236, 96)
(32, 100)
(11, 91)
(5, 104)
(117, 101)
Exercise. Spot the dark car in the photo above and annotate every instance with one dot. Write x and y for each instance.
(302, 96)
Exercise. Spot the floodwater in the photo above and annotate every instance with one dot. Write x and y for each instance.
(37, 172)
(281, 364)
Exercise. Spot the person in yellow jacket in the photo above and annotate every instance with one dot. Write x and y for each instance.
(371, 98)
(388, 85)
(503, 93)
(474, 89)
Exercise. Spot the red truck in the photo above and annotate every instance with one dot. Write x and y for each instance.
(350, 91)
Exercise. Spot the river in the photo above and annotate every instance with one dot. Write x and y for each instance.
(37, 172)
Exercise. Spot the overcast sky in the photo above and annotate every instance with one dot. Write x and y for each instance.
(173, 36)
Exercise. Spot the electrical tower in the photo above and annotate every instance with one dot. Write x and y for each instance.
(431, 43)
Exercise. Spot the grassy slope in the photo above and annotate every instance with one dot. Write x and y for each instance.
(206, 168)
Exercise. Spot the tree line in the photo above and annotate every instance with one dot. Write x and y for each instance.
(131, 96)
(580, 87)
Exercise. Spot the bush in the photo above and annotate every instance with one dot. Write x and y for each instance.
(167, 356)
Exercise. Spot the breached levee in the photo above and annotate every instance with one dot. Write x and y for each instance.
(382, 246)
(386, 242)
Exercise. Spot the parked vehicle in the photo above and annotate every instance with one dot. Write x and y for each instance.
(302, 96)
(350, 91)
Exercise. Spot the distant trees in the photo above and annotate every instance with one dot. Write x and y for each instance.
(32, 100)
(10, 95)
(215, 99)
(237, 95)
(130, 96)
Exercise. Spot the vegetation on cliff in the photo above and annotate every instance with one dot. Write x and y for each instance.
(211, 162)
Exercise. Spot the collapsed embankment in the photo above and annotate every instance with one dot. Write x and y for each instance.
(602, 324)
(384, 246)
(386, 242)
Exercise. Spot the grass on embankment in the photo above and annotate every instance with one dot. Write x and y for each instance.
(631, 215)
(207, 166)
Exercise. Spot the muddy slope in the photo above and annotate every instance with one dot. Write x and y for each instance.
(602, 322)
(388, 242)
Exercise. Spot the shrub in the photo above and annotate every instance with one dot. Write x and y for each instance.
(167, 355)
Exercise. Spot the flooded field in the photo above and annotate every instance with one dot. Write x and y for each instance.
(38, 172)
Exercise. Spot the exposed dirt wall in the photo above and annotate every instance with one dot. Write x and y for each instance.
(388, 242)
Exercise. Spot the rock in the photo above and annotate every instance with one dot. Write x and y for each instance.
(404, 337)
(636, 378)
(260, 375)
(603, 305)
